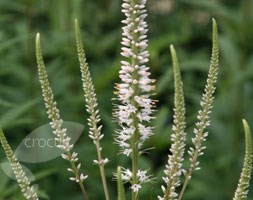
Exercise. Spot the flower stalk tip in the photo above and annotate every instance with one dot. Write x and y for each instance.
(244, 181)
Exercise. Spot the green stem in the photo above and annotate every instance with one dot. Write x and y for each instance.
(102, 171)
(135, 137)
(121, 190)
(135, 163)
(187, 178)
(195, 156)
(74, 168)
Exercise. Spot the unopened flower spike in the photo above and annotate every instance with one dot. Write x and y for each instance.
(135, 108)
(91, 107)
(244, 181)
(27, 190)
(200, 134)
(174, 168)
(57, 123)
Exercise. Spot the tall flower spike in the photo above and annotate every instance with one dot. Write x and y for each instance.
(203, 114)
(134, 91)
(174, 166)
(243, 185)
(56, 122)
(91, 107)
(24, 183)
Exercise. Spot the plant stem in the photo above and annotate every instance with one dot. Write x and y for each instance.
(135, 138)
(121, 189)
(187, 178)
(74, 168)
(192, 167)
(135, 162)
(136, 135)
(197, 152)
(102, 171)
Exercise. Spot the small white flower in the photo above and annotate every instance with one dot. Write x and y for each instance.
(142, 176)
(160, 198)
(145, 132)
(72, 179)
(127, 175)
(83, 177)
(78, 166)
(70, 170)
(136, 187)
(127, 152)
(64, 156)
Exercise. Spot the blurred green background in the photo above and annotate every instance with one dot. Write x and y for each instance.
(184, 23)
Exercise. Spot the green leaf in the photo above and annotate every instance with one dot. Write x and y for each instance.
(10, 117)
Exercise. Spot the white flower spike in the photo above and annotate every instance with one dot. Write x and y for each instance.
(134, 92)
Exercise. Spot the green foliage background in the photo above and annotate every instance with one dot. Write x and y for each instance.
(186, 24)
